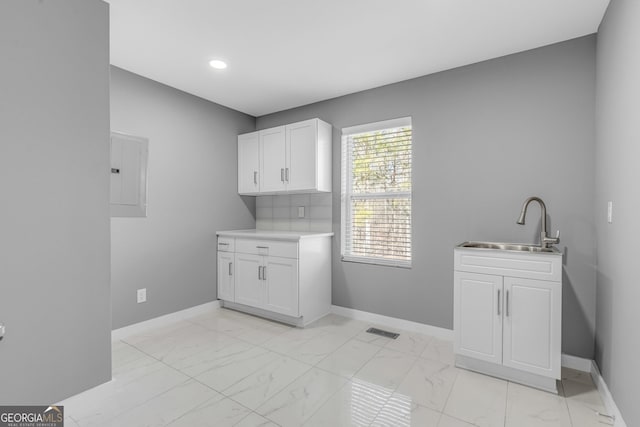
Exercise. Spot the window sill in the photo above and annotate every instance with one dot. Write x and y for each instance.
(377, 261)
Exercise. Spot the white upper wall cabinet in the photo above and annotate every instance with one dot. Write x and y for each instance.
(273, 149)
(128, 175)
(249, 163)
(295, 158)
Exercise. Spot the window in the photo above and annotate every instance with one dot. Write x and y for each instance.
(376, 193)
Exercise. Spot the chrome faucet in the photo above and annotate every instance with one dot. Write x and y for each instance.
(545, 241)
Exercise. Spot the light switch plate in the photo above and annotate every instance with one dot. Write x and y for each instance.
(142, 295)
(300, 211)
(610, 212)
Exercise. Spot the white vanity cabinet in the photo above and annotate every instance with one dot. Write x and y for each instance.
(508, 315)
(285, 276)
(295, 158)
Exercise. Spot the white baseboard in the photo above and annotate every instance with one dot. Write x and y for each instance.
(607, 399)
(577, 363)
(136, 328)
(393, 322)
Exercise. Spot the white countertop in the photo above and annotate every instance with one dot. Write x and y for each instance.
(272, 234)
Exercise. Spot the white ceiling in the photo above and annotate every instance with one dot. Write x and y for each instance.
(287, 53)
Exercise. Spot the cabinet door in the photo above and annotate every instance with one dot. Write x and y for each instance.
(281, 276)
(226, 276)
(249, 289)
(532, 326)
(272, 159)
(249, 163)
(302, 159)
(477, 317)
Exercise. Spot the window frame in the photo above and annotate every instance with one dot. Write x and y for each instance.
(347, 195)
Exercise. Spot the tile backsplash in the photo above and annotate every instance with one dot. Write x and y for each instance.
(280, 212)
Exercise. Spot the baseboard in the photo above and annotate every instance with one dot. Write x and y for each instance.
(575, 362)
(568, 361)
(393, 322)
(607, 399)
(282, 318)
(136, 328)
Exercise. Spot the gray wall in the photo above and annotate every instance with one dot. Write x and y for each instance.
(486, 136)
(617, 180)
(54, 182)
(192, 193)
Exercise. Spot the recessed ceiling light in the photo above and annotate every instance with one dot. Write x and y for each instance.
(218, 64)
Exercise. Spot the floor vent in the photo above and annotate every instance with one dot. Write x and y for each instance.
(382, 333)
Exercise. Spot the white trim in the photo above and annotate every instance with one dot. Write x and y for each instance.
(393, 322)
(268, 314)
(372, 127)
(568, 361)
(383, 262)
(497, 370)
(136, 328)
(605, 394)
(577, 363)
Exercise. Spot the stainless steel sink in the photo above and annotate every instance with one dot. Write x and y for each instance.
(508, 247)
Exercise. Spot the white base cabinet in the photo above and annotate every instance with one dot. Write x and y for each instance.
(532, 326)
(267, 282)
(509, 326)
(283, 276)
(249, 285)
(478, 320)
(226, 278)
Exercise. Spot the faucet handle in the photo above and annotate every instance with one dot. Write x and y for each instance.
(553, 240)
(547, 241)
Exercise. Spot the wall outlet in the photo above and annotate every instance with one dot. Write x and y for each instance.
(142, 295)
(300, 211)
(610, 212)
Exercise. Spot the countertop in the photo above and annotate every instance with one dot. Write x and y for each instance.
(272, 234)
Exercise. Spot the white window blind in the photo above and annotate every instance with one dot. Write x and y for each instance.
(376, 193)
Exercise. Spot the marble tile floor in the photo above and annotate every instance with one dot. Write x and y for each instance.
(226, 368)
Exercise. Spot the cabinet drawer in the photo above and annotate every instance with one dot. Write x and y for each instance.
(226, 244)
(268, 247)
(503, 263)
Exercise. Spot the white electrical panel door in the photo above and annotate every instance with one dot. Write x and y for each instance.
(128, 175)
